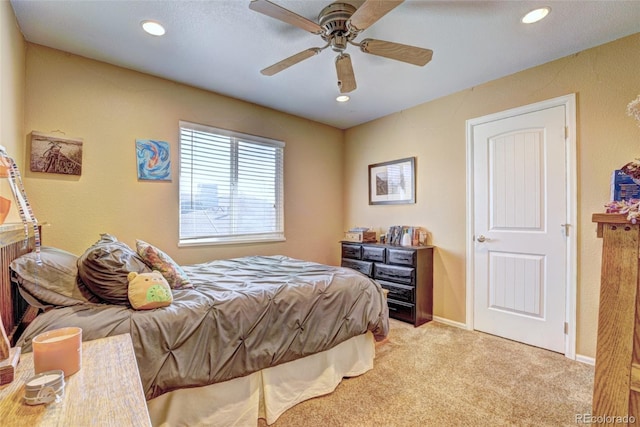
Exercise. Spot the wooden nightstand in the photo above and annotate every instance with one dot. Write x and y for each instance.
(106, 391)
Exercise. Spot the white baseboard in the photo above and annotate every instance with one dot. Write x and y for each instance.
(586, 359)
(450, 322)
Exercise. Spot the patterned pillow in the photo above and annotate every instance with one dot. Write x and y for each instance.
(160, 261)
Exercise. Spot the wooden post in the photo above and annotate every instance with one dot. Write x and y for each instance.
(617, 371)
(9, 357)
(4, 343)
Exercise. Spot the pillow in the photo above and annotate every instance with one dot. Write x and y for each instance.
(160, 261)
(104, 268)
(54, 281)
(148, 290)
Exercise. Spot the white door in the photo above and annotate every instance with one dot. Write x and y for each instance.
(519, 231)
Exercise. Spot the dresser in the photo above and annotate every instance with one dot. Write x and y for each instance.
(616, 389)
(405, 271)
(106, 391)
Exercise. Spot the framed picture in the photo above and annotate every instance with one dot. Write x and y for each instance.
(393, 182)
(153, 160)
(54, 154)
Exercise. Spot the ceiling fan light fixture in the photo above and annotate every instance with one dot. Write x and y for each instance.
(153, 27)
(343, 98)
(536, 15)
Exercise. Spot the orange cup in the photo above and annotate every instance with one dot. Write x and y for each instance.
(5, 205)
(58, 349)
(5, 166)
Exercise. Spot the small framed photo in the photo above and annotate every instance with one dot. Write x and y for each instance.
(393, 182)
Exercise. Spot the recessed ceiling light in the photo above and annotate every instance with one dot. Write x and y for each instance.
(152, 27)
(342, 98)
(536, 15)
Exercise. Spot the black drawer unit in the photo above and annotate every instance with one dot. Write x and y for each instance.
(402, 311)
(401, 256)
(351, 251)
(406, 272)
(362, 266)
(394, 273)
(399, 292)
(373, 253)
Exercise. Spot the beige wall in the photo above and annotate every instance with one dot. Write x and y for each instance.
(110, 107)
(12, 87)
(605, 80)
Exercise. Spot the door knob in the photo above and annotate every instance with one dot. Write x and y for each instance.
(481, 238)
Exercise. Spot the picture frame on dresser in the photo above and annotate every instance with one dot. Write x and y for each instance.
(393, 182)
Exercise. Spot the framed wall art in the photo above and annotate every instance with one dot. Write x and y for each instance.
(153, 160)
(53, 154)
(393, 182)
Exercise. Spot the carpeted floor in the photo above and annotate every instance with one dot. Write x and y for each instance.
(438, 375)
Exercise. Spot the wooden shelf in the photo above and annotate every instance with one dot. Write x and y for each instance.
(607, 218)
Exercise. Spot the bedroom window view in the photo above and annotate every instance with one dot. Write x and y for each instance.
(231, 186)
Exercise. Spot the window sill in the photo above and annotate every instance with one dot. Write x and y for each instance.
(237, 241)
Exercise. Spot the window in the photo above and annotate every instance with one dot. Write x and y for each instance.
(231, 186)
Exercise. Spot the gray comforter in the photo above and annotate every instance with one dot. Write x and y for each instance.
(243, 315)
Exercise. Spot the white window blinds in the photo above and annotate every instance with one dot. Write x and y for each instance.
(231, 186)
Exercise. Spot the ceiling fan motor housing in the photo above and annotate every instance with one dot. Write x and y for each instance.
(333, 19)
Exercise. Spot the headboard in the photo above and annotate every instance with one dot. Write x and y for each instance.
(16, 313)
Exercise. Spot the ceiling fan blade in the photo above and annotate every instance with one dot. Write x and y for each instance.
(370, 12)
(284, 15)
(399, 52)
(292, 60)
(346, 78)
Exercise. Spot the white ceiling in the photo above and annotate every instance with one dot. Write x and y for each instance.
(221, 46)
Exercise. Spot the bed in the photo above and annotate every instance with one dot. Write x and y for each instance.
(243, 338)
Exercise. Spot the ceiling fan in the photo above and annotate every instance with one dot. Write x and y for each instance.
(338, 25)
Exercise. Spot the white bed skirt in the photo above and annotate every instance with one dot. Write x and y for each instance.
(267, 393)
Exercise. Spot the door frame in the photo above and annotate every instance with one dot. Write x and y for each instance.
(569, 102)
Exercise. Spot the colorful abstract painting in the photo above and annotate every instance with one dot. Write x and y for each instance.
(154, 160)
